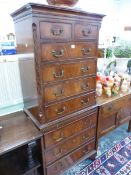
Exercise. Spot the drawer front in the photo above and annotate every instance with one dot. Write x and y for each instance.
(67, 161)
(56, 72)
(55, 31)
(68, 89)
(111, 108)
(86, 31)
(69, 130)
(56, 52)
(69, 145)
(60, 109)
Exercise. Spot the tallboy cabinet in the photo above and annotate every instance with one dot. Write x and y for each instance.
(63, 46)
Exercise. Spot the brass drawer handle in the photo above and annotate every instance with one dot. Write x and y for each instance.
(85, 101)
(60, 138)
(58, 152)
(60, 111)
(86, 32)
(59, 93)
(84, 137)
(85, 69)
(57, 54)
(85, 86)
(57, 31)
(86, 151)
(58, 75)
(86, 51)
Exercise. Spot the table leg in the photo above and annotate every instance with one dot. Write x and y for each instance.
(129, 126)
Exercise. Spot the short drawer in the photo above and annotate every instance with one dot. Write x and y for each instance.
(69, 145)
(59, 71)
(86, 31)
(61, 165)
(111, 107)
(68, 89)
(55, 31)
(61, 109)
(60, 134)
(60, 51)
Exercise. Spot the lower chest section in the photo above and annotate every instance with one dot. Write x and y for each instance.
(66, 143)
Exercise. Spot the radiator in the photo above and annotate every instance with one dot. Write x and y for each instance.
(11, 96)
(10, 86)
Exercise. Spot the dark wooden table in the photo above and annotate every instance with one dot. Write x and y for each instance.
(20, 145)
(16, 130)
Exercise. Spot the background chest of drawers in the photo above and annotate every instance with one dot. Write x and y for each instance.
(63, 46)
(113, 112)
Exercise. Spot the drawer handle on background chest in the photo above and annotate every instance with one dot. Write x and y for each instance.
(85, 86)
(60, 138)
(86, 32)
(85, 102)
(60, 111)
(85, 69)
(58, 75)
(110, 107)
(57, 53)
(57, 31)
(86, 51)
(59, 93)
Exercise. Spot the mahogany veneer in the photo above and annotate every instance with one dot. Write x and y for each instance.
(63, 46)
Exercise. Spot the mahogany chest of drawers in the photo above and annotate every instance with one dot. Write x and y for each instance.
(58, 60)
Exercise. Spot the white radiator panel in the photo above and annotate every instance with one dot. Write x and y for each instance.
(10, 86)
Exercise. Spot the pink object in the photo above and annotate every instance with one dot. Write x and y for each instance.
(62, 2)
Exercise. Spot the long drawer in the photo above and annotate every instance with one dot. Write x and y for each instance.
(59, 71)
(56, 136)
(68, 89)
(61, 109)
(69, 145)
(63, 51)
(67, 161)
